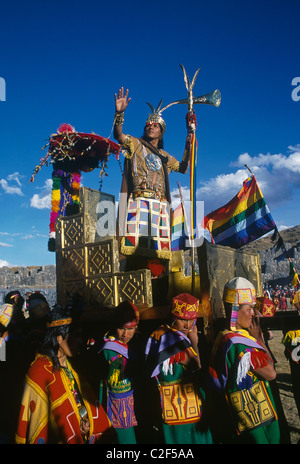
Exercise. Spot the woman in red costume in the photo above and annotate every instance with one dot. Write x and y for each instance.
(58, 406)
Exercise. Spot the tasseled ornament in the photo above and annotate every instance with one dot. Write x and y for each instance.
(243, 367)
(251, 360)
(64, 199)
(259, 359)
(167, 365)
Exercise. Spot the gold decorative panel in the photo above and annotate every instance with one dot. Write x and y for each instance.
(102, 257)
(108, 290)
(73, 262)
(135, 286)
(73, 231)
(87, 265)
(100, 291)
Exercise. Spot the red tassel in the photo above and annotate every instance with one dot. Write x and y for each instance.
(178, 357)
(259, 359)
(156, 267)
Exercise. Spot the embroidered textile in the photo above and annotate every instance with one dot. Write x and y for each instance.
(119, 400)
(180, 403)
(147, 229)
(251, 407)
(49, 412)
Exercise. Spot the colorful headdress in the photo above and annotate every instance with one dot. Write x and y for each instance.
(155, 116)
(6, 311)
(238, 291)
(185, 306)
(265, 306)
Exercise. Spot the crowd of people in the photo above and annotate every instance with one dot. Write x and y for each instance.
(118, 382)
(281, 295)
(63, 383)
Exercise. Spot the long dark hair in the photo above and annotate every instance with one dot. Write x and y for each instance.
(50, 345)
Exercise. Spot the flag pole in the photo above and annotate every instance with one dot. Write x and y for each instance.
(212, 98)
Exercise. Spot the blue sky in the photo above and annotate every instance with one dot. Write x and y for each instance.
(63, 62)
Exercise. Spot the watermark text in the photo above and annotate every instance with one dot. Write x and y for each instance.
(147, 223)
(2, 89)
(296, 90)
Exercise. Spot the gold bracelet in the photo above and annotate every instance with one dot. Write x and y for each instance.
(119, 119)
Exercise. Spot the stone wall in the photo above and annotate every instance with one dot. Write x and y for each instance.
(28, 279)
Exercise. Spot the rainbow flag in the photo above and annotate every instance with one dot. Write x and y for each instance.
(243, 219)
(179, 236)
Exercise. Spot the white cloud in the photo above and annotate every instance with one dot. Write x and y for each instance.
(277, 162)
(219, 190)
(277, 176)
(42, 200)
(27, 237)
(2, 244)
(10, 189)
(15, 177)
(4, 263)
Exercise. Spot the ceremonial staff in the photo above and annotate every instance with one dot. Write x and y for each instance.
(214, 99)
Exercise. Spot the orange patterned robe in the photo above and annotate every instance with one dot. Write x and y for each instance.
(49, 413)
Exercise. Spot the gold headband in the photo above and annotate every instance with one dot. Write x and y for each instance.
(59, 322)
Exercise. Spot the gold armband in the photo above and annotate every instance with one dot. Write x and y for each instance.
(128, 147)
(119, 119)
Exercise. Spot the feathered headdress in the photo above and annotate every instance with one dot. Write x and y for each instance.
(155, 116)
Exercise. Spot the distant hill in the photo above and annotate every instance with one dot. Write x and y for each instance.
(275, 264)
(290, 236)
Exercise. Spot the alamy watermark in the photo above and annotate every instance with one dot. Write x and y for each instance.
(296, 354)
(2, 349)
(2, 89)
(107, 224)
(296, 90)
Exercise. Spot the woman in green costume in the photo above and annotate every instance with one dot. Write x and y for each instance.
(116, 388)
(172, 358)
(240, 369)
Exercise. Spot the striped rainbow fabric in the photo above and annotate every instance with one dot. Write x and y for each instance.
(178, 233)
(243, 219)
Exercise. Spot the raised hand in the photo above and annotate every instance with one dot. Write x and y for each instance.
(122, 100)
